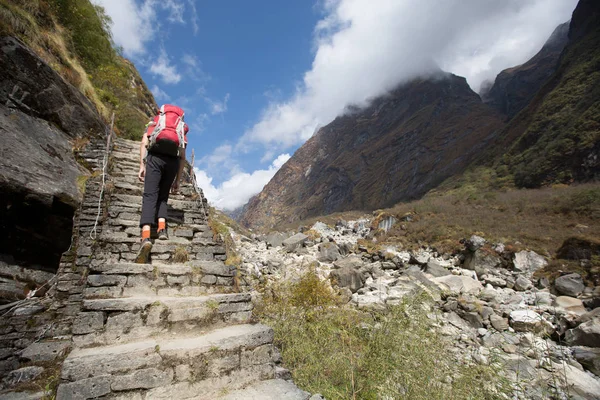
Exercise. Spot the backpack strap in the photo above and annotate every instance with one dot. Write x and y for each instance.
(160, 125)
(181, 132)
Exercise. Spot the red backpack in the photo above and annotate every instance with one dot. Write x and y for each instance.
(166, 134)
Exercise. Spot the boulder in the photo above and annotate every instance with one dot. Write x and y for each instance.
(528, 321)
(579, 248)
(328, 252)
(499, 323)
(481, 261)
(275, 239)
(528, 261)
(295, 242)
(569, 285)
(458, 284)
(581, 384)
(569, 304)
(585, 334)
(347, 277)
(588, 357)
(352, 262)
(474, 243)
(522, 284)
(436, 269)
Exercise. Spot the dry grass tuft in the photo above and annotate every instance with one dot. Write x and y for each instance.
(180, 255)
(345, 353)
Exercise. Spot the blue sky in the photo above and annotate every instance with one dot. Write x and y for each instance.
(257, 78)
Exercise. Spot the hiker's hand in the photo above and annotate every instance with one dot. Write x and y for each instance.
(142, 173)
(175, 187)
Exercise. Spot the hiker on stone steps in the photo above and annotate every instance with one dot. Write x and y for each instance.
(162, 158)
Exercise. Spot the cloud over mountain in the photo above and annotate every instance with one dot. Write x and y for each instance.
(363, 49)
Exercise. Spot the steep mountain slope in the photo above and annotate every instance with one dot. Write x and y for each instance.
(73, 37)
(556, 138)
(401, 146)
(514, 88)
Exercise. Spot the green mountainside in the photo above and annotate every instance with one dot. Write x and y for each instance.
(73, 37)
(556, 138)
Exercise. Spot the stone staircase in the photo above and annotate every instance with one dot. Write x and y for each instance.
(174, 328)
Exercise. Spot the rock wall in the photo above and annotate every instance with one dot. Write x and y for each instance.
(42, 120)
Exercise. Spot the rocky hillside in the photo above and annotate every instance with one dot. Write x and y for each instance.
(402, 145)
(514, 88)
(73, 37)
(492, 306)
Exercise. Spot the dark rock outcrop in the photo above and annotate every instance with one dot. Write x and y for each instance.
(40, 117)
(515, 87)
(402, 145)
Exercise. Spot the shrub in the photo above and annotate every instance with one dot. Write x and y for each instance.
(345, 353)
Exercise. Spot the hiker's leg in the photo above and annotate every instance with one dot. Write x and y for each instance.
(152, 180)
(171, 167)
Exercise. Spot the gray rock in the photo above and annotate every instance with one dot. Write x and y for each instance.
(275, 239)
(328, 252)
(434, 268)
(347, 277)
(350, 262)
(481, 262)
(39, 170)
(274, 389)
(522, 284)
(458, 284)
(588, 357)
(142, 379)
(528, 261)
(495, 281)
(586, 334)
(295, 242)
(569, 285)
(528, 321)
(22, 396)
(420, 257)
(21, 375)
(499, 323)
(474, 243)
(90, 388)
(88, 322)
(570, 304)
(46, 351)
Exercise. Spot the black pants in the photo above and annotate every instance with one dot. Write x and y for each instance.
(161, 171)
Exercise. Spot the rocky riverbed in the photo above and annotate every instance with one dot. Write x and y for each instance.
(545, 336)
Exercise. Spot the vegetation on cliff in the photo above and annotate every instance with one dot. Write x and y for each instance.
(73, 37)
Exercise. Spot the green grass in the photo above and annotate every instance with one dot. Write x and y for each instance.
(73, 37)
(344, 353)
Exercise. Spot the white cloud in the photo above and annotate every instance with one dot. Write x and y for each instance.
(136, 23)
(164, 69)
(194, 16)
(159, 94)
(364, 49)
(130, 29)
(218, 107)
(175, 9)
(240, 187)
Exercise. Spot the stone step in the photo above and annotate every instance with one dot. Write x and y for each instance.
(272, 389)
(196, 278)
(199, 367)
(121, 320)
